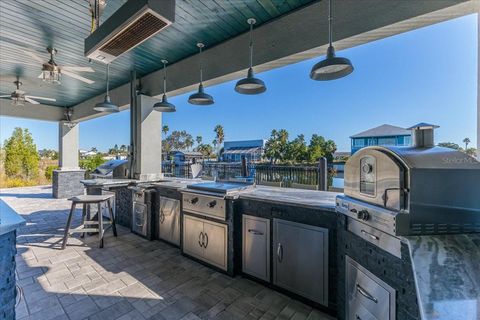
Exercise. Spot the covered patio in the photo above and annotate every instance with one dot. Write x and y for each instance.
(130, 278)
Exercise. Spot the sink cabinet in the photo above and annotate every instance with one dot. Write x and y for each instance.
(300, 259)
(169, 220)
(256, 247)
(205, 240)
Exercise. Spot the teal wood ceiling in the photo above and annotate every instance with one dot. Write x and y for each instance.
(32, 25)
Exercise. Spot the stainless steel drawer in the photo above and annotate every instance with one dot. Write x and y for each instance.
(366, 291)
(139, 219)
(209, 206)
(256, 247)
(381, 239)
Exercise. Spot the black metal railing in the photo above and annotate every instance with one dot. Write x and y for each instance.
(288, 176)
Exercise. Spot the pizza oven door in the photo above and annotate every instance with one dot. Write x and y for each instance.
(375, 176)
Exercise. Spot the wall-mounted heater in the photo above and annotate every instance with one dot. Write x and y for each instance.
(132, 24)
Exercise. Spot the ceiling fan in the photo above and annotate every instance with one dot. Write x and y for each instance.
(19, 97)
(51, 72)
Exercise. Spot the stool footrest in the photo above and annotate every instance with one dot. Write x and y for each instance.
(82, 230)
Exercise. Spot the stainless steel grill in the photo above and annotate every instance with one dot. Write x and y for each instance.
(413, 190)
(112, 169)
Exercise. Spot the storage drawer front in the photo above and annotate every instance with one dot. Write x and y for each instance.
(368, 291)
(209, 206)
(385, 241)
(169, 220)
(256, 247)
(139, 217)
(358, 312)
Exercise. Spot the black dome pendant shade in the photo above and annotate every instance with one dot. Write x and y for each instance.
(332, 67)
(164, 105)
(200, 98)
(106, 105)
(250, 84)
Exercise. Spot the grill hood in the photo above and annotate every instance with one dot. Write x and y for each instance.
(132, 24)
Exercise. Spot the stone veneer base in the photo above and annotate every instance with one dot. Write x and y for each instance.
(66, 183)
(8, 293)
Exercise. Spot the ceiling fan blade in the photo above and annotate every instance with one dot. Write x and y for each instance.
(34, 56)
(31, 101)
(76, 76)
(40, 98)
(19, 62)
(77, 69)
(6, 96)
(40, 76)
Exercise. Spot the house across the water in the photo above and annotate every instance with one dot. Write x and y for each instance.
(252, 150)
(384, 135)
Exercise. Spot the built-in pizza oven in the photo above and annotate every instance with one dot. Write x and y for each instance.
(421, 189)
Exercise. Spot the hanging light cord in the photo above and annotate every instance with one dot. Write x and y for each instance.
(201, 66)
(330, 40)
(251, 44)
(108, 70)
(164, 78)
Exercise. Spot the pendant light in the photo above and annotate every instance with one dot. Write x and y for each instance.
(200, 98)
(106, 105)
(332, 67)
(250, 84)
(164, 105)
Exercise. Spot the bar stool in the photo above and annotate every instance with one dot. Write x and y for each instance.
(89, 200)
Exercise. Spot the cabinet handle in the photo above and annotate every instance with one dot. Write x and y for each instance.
(200, 242)
(280, 252)
(206, 244)
(368, 234)
(366, 294)
(357, 317)
(256, 232)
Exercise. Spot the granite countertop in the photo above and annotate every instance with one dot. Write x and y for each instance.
(115, 182)
(9, 219)
(311, 199)
(447, 275)
(176, 183)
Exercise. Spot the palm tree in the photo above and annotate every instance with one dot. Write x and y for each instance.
(220, 134)
(199, 140)
(165, 129)
(466, 141)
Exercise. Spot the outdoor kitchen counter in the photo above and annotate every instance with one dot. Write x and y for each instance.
(446, 270)
(109, 182)
(176, 183)
(9, 219)
(310, 199)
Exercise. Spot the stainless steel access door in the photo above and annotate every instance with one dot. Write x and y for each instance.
(256, 247)
(169, 220)
(301, 259)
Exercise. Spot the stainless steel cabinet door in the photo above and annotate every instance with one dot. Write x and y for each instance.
(139, 217)
(169, 220)
(301, 259)
(216, 243)
(192, 236)
(256, 247)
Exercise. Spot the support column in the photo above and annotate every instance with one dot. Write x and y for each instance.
(148, 140)
(66, 180)
(478, 86)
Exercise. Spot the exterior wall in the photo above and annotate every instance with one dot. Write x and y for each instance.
(359, 143)
(8, 292)
(66, 183)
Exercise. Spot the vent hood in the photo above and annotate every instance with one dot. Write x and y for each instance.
(132, 24)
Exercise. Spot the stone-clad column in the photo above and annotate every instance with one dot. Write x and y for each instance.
(66, 180)
(148, 128)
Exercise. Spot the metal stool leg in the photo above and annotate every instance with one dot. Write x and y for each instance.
(100, 224)
(84, 217)
(67, 227)
(112, 218)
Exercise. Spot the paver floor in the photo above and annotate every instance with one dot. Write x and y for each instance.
(130, 278)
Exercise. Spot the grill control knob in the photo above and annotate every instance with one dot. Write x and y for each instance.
(194, 200)
(212, 204)
(363, 215)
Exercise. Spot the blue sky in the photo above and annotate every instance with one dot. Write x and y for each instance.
(427, 75)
